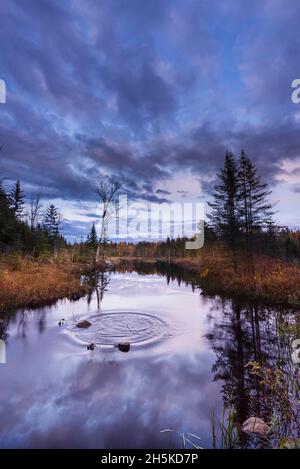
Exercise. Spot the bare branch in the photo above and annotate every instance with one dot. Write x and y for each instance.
(107, 191)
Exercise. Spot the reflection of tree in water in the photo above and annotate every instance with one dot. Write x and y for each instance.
(3, 329)
(165, 269)
(19, 317)
(22, 324)
(98, 282)
(23, 320)
(249, 333)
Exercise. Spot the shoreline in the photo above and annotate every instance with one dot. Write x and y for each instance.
(279, 286)
(34, 283)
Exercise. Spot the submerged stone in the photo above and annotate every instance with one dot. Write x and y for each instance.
(124, 347)
(83, 324)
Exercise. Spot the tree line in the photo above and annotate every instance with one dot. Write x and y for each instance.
(27, 228)
(241, 218)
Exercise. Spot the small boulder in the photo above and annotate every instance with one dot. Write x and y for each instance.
(256, 425)
(124, 347)
(91, 347)
(83, 324)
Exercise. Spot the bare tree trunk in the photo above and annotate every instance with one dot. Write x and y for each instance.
(35, 208)
(107, 192)
(99, 247)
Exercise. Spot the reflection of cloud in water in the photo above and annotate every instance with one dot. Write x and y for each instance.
(57, 394)
(117, 404)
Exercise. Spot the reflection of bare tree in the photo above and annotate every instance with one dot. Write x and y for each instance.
(249, 333)
(22, 324)
(98, 281)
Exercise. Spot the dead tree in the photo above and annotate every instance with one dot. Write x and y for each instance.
(35, 210)
(107, 191)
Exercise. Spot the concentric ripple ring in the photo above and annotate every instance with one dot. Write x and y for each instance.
(112, 328)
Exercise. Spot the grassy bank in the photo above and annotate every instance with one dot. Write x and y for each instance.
(27, 283)
(274, 281)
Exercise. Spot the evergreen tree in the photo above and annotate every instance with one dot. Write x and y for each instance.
(92, 238)
(16, 197)
(224, 216)
(15, 235)
(6, 216)
(256, 210)
(51, 222)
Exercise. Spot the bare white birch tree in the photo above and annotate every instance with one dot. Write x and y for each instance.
(35, 208)
(107, 191)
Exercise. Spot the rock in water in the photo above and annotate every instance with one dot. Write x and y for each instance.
(256, 425)
(124, 347)
(83, 324)
(91, 346)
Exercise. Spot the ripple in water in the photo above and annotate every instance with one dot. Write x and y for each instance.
(114, 327)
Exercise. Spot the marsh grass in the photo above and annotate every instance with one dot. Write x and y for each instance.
(225, 432)
(188, 440)
(29, 283)
(273, 281)
(282, 390)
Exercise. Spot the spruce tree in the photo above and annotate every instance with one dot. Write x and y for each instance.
(92, 238)
(256, 210)
(224, 215)
(51, 222)
(16, 197)
(5, 215)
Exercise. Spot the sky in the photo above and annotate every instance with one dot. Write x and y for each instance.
(150, 92)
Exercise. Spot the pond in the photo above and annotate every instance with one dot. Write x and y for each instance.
(187, 359)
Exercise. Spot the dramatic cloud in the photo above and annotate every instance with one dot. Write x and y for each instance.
(153, 92)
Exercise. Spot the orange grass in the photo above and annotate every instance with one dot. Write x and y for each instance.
(35, 283)
(273, 280)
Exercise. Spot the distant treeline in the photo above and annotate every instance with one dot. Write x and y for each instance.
(281, 243)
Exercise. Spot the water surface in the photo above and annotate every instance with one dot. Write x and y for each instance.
(187, 357)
